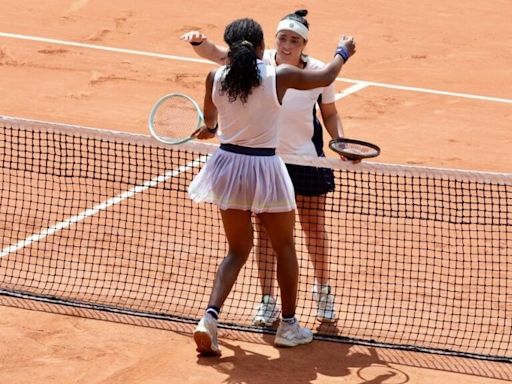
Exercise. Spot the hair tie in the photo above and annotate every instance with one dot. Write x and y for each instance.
(247, 44)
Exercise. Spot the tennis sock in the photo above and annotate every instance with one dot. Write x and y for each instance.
(289, 319)
(213, 311)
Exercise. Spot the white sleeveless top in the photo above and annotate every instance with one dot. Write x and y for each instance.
(296, 118)
(255, 123)
(246, 182)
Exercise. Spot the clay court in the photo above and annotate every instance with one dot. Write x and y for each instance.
(431, 84)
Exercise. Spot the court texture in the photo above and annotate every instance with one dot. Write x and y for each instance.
(91, 206)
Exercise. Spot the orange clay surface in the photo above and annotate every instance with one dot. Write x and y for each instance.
(458, 47)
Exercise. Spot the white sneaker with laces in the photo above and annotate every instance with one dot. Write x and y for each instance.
(267, 313)
(325, 311)
(291, 335)
(205, 336)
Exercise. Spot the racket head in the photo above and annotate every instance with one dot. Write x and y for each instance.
(175, 118)
(354, 149)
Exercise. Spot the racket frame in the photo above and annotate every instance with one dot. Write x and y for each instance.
(154, 110)
(350, 155)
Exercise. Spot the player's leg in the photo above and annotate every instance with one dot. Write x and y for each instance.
(311, 211)
(279, 227)
(239, 234)
(267, 311)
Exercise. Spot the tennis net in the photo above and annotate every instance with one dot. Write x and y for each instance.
(419, 258)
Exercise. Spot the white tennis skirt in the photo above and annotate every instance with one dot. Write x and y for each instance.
(250, 183)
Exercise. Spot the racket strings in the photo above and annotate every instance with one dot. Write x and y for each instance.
(354, 148)
(175, 117)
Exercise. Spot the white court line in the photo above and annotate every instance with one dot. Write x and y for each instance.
(348, 91)
(431, 91)
(102, 48)
(106, 204)
(194, 60)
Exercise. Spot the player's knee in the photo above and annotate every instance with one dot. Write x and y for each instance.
(240, 251)
(284, 248)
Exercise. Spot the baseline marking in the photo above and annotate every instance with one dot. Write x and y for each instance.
(194, 60)
(102, 48)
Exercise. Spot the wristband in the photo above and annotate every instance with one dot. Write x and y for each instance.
(343, 52)
(196, 43)
(214, 129)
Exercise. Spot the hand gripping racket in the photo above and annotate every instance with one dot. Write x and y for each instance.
(175, 119)
(354, 149)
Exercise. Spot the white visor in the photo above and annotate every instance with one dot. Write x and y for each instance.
(292, 25)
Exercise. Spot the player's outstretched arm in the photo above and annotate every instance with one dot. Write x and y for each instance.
(289, 76)
(204, 48)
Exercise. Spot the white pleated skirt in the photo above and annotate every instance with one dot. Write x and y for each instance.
(245, 182)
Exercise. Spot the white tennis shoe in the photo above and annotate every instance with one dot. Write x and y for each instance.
(205, 336)
(267, 313)
(325, 311)
(291, 335)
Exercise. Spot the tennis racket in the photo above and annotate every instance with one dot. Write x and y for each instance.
(175, 119)
(354, 149)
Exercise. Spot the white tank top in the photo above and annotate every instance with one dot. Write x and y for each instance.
(255, 123)
(297, 135)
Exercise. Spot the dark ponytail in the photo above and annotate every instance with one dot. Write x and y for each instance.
(243, 36)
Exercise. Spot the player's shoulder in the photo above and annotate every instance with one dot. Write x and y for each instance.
(269, 56)
(313, 63)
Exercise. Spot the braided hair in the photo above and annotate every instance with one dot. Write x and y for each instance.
(243, 36)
